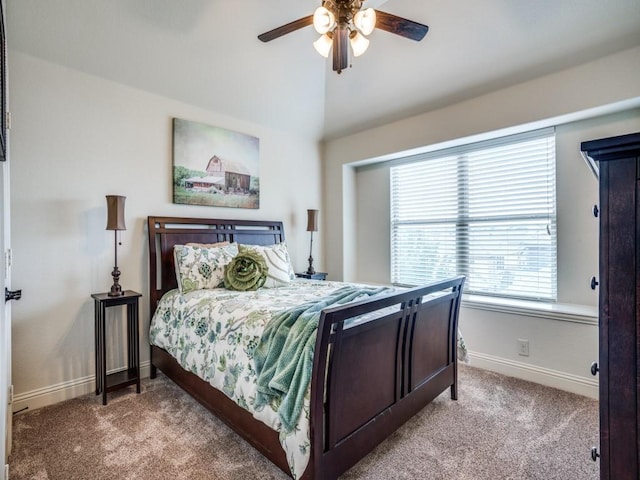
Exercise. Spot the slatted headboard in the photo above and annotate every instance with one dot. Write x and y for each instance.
(165, 232)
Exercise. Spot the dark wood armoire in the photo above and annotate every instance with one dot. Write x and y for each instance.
(616, 161)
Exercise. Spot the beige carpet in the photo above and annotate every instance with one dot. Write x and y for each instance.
(500, 428)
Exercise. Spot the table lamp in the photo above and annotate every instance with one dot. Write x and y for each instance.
(115, 222)
(312, 226)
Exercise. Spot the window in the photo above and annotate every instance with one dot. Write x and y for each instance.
(485, 210)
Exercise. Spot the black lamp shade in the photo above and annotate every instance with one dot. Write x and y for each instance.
(312, 220)
(115, 212)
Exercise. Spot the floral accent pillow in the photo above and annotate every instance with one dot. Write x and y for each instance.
(280, 271)
(199, 268)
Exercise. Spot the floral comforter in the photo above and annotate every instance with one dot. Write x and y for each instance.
(213, 334)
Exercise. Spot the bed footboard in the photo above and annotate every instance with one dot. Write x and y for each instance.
(380, 371)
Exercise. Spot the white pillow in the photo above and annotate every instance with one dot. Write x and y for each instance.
(199, 268)
(280, 271)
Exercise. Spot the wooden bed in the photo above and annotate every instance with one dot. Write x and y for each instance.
(367, 380)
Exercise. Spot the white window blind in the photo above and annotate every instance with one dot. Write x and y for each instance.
(485, 210)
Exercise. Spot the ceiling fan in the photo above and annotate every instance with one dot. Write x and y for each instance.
(344, 22)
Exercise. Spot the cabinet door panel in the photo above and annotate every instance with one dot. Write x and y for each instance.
(618, 315)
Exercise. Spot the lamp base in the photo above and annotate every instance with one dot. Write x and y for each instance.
(310, 270)
(116, 289)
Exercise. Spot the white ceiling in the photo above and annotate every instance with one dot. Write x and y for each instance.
(205, 52)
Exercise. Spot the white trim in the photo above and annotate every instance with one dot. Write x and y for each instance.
(42, 397)
(553, 311)
(593, 112)
(568, 382)
(553, 378)
(466, 147)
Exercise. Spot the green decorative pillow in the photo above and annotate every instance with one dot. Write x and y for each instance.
(200, 268)
(247, 271)
(280, 272)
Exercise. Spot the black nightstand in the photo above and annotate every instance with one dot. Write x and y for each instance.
(131, 376)
(312, 276)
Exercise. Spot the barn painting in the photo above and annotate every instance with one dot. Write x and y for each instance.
(214, 167)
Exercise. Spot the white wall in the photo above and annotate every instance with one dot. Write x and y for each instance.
(562, 343)
(74, 139)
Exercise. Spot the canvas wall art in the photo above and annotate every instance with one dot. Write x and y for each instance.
(215, 167)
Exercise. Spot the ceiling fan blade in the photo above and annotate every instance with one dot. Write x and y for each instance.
(288, 28)
(400, 26)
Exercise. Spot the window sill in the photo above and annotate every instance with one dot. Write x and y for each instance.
(565, 312)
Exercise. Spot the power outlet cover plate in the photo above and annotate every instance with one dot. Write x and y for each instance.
(523, 347)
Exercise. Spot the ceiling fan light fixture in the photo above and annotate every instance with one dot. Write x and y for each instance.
(323, 45)
(342, 22)
(359, 44)
(323, 20)
(365, 20)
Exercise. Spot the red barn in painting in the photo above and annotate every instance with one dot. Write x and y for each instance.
(236, 177)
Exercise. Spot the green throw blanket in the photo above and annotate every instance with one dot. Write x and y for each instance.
(284, 355)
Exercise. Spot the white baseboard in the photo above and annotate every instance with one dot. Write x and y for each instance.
(544, 376)
(585, 386)
(63, 391)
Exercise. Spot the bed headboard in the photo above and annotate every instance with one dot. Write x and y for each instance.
(165, 232)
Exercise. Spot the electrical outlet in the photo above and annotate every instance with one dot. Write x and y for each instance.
(523, 347)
